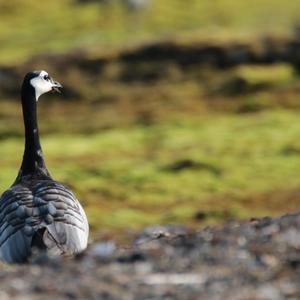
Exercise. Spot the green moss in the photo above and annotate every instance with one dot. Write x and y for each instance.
(127, 178)
(28, 28)
(275, 75)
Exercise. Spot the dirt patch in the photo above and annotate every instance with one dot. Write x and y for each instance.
(156, 61)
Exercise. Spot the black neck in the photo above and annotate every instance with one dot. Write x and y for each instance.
(33, 161)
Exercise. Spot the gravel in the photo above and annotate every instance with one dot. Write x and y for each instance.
(253, 260)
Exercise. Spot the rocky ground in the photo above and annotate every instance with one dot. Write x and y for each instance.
(255, 260)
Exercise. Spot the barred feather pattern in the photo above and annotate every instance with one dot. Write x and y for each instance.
(28, 207)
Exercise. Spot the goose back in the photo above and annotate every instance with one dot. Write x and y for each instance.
(43, 210)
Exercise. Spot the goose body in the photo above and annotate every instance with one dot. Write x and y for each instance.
(37, 211)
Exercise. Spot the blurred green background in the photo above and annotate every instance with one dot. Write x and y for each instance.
(174, 112)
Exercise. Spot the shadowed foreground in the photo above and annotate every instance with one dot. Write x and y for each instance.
(251, 260)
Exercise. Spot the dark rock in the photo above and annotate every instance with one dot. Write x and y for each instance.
(258, 259)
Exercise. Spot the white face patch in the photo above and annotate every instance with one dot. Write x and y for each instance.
(42, 84)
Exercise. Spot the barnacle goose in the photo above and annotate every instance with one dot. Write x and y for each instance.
(37, 211)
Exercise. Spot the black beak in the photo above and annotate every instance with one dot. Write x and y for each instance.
(56, 86)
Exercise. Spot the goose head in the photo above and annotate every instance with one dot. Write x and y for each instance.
(42, 83)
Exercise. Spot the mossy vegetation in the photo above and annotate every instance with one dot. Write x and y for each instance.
(29, 28)
(146, 142)
(210, 165)
(172, 151)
